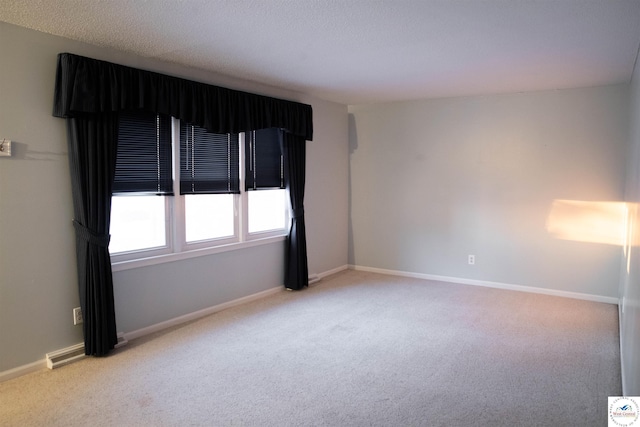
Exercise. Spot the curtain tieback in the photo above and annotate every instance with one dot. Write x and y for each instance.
(298, 213)
(91, 236)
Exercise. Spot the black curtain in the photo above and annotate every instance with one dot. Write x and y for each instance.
(93, 141)
(90, 93)
(297, 271)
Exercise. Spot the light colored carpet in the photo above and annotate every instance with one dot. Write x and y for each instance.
(358, 349)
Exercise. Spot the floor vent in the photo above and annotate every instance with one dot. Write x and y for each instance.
(65, 356)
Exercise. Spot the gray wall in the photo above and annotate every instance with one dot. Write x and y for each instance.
(630, 278)
(38, 285)
(433, 181)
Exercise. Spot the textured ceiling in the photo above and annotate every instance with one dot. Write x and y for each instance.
(360, 51)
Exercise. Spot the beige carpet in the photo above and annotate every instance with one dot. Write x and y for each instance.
(358, 349)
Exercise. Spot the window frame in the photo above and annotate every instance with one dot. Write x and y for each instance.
(176, 247)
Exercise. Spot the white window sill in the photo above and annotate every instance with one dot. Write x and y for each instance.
(161, 259)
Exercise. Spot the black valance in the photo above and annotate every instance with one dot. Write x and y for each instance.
(85, 85)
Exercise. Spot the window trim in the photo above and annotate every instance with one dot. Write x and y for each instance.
(176, 247)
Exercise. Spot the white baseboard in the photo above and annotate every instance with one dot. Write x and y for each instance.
(23, 370)
(315, 278)
(210, 310)
(123, 338)
(622, 370)
(333, 271)
(488, 284)
(198, 314)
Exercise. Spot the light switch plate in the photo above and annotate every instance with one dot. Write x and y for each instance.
(5, 148)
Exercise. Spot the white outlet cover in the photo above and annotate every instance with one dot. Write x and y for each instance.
(5, 148)
(77, 316)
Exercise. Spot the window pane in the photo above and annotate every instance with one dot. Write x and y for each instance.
(137, 222)
(266, 210)
(208, 216)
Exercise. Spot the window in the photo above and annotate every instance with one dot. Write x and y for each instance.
(143, 169)
(180, 188)
(209, 177)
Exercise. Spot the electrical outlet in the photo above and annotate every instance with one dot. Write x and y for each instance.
(472, 259)
(5, 148)
(77, 316)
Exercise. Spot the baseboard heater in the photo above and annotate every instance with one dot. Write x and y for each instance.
(68, 355)
(65, 356)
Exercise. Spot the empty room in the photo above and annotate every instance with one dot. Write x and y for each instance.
(314, 212)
